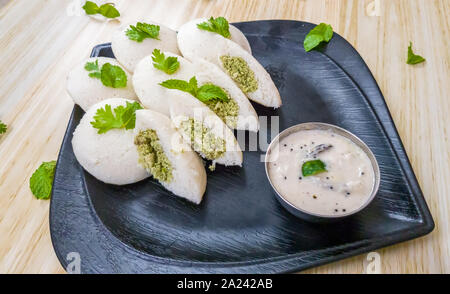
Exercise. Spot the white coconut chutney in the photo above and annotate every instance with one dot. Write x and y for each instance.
(343, 186)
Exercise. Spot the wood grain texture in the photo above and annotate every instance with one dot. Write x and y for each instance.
(41, 40)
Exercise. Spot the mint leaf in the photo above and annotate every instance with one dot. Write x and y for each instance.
(210, 92)
(216, 25)
(107, 10)
(179, 85)
(113, 76)
(321, 33)
(168, 65)
(123, 117)
(142, 31)
(90, 8)
(3, 127)
(313, 167)
(41, 181)
(205, 93)
(413, 58)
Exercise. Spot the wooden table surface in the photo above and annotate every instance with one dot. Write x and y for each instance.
(40, 40)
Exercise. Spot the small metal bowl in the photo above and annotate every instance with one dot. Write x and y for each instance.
(313, 217)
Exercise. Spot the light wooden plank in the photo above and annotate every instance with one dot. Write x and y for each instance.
(40, 42)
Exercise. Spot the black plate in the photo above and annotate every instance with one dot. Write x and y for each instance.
(240, 227)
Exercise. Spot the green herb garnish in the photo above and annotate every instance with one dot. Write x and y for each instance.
(216, 25)
(205, 93)
(142, 31)
(3, 127)
(413, 58)
(94, 69)
(313, 167)
(41, 181)
(124, 117)
(107, 10)
(168, 65)
(321, 33)
(111, 75)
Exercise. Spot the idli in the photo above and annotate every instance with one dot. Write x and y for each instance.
(110, 157)
(241, 66)
(129, 52)
(205, 131)
(86, 89)
(167, 157)
(237, 112)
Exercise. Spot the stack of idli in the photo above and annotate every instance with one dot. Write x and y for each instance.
(160, 131)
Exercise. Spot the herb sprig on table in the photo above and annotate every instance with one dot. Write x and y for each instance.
(41, 182)
(321, 33)
(413, 58)
(107, 10)
(3, 128)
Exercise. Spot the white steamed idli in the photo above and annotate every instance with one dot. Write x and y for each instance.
(147, 79)
(196, 43)
(129, 52)
(188, 176)
(87, 91)
(110, 157)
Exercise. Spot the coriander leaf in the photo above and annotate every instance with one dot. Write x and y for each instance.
(209, 92)
(113, 76)
(216, 25)
(90, 8)
(413, 58)
(124, 117)
(313, 167)
(94, 69)
(321, 33)
(143, 31)
(41, 181)
(109, 11)
(168, 65)
(3, 127)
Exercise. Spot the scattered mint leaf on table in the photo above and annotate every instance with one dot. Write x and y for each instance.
(3, 127)
(321, 33)
(41, 181)
(413, 58)
(107, 10)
